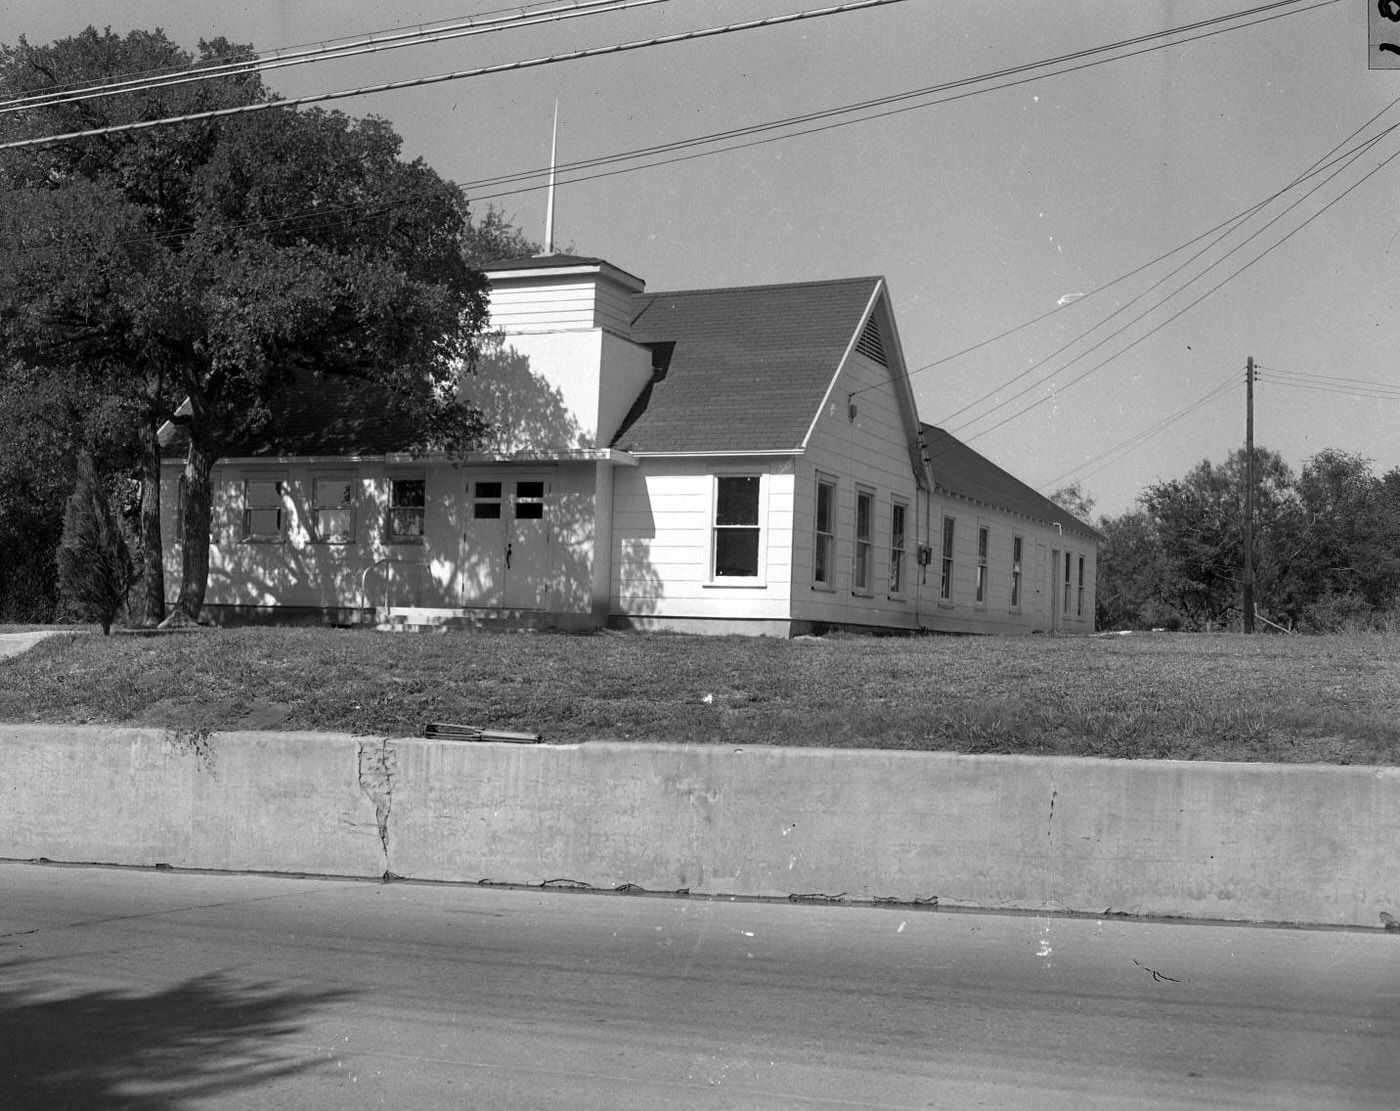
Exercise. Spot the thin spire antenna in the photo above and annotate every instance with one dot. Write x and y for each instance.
(549, 203)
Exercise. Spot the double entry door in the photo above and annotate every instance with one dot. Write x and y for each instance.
(505, 545)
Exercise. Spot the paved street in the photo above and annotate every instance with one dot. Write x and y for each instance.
(136, 990)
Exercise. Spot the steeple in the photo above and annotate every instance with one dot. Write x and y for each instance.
(549, 203)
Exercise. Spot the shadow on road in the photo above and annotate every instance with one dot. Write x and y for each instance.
(122, 1051)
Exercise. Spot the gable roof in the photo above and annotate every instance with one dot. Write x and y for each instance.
(748, 367)
(960, 471)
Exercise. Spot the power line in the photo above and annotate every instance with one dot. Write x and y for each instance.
(330, 50)
(322, 213)
(1225, 229)
(1094, 464)
(1347, 161)
(895, 98)
(503, 67)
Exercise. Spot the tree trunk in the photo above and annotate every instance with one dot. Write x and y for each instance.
(194, 540)
(152, 549)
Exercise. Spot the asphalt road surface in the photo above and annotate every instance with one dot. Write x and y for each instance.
(135, 990)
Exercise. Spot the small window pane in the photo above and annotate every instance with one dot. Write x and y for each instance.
(737, 502)
(488, 489)
(736, 552)
(529, 489)
(409, 492)
(264, 522)
(487, 511)
(529, 511)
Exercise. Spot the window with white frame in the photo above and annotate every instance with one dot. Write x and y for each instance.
(737, 528)
(1067, 582)
(486, 501)
(264, 510)
(981, 596)
(1079, 608)
(945, 582)
(824, 546)
(865, 524)
(1016, 548)
(408, 500)
(333, 509)
(897, 514)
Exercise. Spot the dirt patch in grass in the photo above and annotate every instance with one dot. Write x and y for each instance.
(1175, 696)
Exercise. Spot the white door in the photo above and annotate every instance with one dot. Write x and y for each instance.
(505, 548)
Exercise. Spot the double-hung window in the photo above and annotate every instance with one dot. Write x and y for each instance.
(264, 511)
(981, 597)
(333, 509)
(824, 546)
(945, 582)
(1079, 610)
(897, 510)
(407, 506)
(1015, 572)
(865, 524)
(737, 529)
(1067, 582)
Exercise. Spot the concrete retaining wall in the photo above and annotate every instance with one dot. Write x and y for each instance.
(1235, 841)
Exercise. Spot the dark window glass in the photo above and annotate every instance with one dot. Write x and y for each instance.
(738, 502)
(736, 552)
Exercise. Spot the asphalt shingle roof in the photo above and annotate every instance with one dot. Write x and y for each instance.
(749, 366)
(960, 470)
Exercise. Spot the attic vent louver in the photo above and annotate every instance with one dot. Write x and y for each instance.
(870, 344)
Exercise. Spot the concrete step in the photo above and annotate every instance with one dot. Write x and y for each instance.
(427, 619)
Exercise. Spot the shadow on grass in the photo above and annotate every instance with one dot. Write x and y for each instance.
(122, 1051)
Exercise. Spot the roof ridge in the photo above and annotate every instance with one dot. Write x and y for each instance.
(856, 280)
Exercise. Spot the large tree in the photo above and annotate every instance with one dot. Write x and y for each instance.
(1178, 558)
(257, 252)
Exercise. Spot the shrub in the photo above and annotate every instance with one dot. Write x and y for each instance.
(94, 565)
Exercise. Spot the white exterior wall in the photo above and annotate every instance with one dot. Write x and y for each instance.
(300, 572)
(869, 452)
(297, 570)
(1041, 607)
(663, 537)
(548, 299)
(549, 391)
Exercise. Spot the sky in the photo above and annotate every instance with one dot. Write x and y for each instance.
(1004, 221)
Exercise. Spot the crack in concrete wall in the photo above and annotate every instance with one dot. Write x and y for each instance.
(379, 765)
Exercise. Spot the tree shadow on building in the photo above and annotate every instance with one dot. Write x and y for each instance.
(122, 1050)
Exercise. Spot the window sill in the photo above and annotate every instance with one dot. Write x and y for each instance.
(734, 584)
(944, 604)
(404, 541)
(271, 540)
(862, 594)
(823, 588)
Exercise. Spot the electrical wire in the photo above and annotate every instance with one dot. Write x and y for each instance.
(1347, 161)
(1096, 463)
(542, 173)
(457, 75)
(323, 52)
(472, 186)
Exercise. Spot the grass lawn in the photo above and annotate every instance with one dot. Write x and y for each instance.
(1178, 696)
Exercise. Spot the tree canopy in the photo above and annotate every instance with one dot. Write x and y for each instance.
(1326, 547)
(219, 263)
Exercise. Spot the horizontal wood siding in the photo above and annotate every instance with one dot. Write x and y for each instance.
(871, 453)
(572, 302)
(1039, 591)
(299, 571)
(662, 541)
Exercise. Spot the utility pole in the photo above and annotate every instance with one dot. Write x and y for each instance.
(1248, 578)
